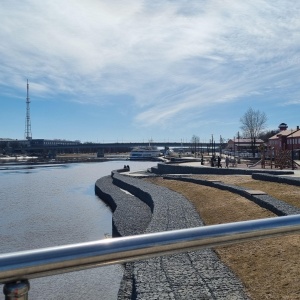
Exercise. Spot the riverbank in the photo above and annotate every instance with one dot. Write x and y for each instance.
(191, 275)
(256, 262)
(62, 159)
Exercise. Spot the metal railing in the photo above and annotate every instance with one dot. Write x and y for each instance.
(16, 269)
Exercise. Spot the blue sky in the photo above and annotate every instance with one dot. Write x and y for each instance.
(134, 70)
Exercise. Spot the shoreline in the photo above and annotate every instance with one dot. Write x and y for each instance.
(60, 161)
(171, 276)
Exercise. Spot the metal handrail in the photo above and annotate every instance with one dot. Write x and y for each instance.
(18, 267)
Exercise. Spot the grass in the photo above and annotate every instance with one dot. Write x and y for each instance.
(269, 268)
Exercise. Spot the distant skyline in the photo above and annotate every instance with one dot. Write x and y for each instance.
(134, 70)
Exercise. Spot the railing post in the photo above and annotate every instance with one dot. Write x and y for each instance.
(16, 290)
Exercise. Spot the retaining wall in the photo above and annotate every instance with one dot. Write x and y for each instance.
(277, 178)
(162, 168)
(131, 216)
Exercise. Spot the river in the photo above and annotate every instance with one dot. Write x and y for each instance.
(51, 205)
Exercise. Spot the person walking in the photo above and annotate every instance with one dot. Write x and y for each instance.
(227, 161)
(212, 161)
(219, 162)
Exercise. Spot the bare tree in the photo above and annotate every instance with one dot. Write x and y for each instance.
(253, 123)
(195, 144)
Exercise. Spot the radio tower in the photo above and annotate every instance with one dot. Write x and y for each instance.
(27, 122)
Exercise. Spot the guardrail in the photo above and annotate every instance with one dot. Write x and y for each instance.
(16, 269)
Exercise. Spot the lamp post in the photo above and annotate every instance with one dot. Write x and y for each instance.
(234, 146)
(239, 161)
(292, 150)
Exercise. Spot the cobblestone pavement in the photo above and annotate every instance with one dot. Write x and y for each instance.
(131, 216)
(191, 275)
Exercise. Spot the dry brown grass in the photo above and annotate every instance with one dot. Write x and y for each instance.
(269, 268)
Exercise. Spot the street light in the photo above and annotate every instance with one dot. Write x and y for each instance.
(234, 146)
(238, 147)
(292, 150)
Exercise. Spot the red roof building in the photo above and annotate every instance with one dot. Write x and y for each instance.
(286, 139)
(293, 140)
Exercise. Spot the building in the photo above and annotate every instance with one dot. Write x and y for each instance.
(293, 140)
(285, 139)
(11, 146)
(243, 145)
(43, 142)
(52, 147)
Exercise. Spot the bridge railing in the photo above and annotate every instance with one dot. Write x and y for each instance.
(16, 269)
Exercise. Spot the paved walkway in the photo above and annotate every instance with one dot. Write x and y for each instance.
(243, 166)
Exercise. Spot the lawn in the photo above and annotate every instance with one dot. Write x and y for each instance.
(269, 268)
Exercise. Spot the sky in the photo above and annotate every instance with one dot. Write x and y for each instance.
(147, 70)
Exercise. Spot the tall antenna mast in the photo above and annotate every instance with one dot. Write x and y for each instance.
(28, 135)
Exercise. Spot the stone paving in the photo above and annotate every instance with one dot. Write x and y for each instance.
(126, 220)
(191, 275)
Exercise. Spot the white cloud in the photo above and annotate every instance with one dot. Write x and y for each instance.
(171, 57)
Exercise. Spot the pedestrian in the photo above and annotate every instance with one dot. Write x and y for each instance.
(234, 162)
(227, 161)
(212, 161)
(219, 162)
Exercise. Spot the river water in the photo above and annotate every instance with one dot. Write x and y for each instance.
(51, 205)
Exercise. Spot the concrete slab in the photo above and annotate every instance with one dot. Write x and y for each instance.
(255, 192)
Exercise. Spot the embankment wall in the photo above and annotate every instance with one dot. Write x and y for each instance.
(163, 168)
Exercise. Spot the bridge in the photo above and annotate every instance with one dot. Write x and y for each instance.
(45, 147)
(115, 147)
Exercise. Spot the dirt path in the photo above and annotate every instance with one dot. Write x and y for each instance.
(269, 268)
